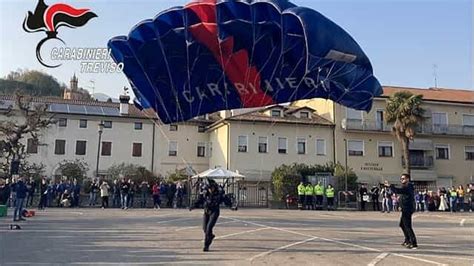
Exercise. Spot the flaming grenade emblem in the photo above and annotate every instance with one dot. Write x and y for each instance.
(50, 18)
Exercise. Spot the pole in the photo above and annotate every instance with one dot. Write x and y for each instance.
(98, 155)
(345, 166)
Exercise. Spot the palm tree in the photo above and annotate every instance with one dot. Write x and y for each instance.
(404, 111)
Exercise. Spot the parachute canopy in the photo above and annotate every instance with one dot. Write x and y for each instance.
(213, 55)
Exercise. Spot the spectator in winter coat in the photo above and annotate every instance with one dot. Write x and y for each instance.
(43, 190)
(124, 190)
(386, 199)
(156, 196)
(104, 194)
(116, 194)
(31, 185)
(95, 188)
(4, 192)
(145, 191)
(21, 192)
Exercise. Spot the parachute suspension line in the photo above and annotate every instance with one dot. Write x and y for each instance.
(173, 89)
(190, 67)
(160, 127)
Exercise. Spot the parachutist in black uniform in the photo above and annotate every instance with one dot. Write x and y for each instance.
(211, 197)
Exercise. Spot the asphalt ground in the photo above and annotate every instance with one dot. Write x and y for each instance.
(243, 237)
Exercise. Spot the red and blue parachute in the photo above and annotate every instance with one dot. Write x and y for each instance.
(213, 55)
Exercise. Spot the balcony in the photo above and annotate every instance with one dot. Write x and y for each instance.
(451, 130)
(425, 128)
(420, 162)
(365, 125)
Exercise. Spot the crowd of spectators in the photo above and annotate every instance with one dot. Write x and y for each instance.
(123, 193)
(454, 199)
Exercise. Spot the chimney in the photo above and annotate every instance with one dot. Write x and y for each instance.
(225, 113)
(124, 99)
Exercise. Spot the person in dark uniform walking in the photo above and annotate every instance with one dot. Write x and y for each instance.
(407, 203)
(211, 197)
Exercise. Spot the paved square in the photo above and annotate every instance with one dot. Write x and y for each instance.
(248, 236)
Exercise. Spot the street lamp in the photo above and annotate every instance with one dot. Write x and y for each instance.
(345, 166)
(100, 130)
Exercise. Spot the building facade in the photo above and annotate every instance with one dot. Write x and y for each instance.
(255, 142)
(442, 153)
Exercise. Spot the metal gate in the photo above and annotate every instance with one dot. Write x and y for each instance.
(253, 194)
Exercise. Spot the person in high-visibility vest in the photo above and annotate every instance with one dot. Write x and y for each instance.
(309, 191)
(301, 195)
(330, 197)
(319, 192)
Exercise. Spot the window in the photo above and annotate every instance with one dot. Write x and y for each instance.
(439, 119)
(379, 120)
(173, 127)
(83, 123)
(282, 144)
(304, 114)
(469, 151)
(173, 148)
(440, 122)
(81, 147)
(320, 147)
(60, 147)
(201, 149)
(442, 152)
(262, 144)
(468, 120)
(106, 148)
(243, 143)
(276, 113)
(107, 124)
(62, 122)
(301, 145)
(136, 150)
(355, 147)
(138, 126)
(385, 149)
(32, 146)
(352, 114)
(201, 129)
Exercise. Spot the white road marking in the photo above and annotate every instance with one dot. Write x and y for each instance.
(197, 226)
(455, 257)
(340, 242)
(281, 248)
(241, 233)
(175, 220)
(378, 259)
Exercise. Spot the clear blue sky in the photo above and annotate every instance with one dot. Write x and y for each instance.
(403, 39)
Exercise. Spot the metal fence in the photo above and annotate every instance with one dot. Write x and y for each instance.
(253, 194)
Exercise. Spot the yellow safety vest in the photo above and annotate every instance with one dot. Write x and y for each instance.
(453, 194)
(301, 189)
(330, 192)
(318, 190)
(309, 190)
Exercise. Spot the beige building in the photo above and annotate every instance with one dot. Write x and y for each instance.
(256, 142)
(442, 154)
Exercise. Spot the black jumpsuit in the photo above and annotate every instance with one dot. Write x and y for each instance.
(211, 202)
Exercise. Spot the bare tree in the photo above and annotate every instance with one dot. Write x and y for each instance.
(25, 119)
